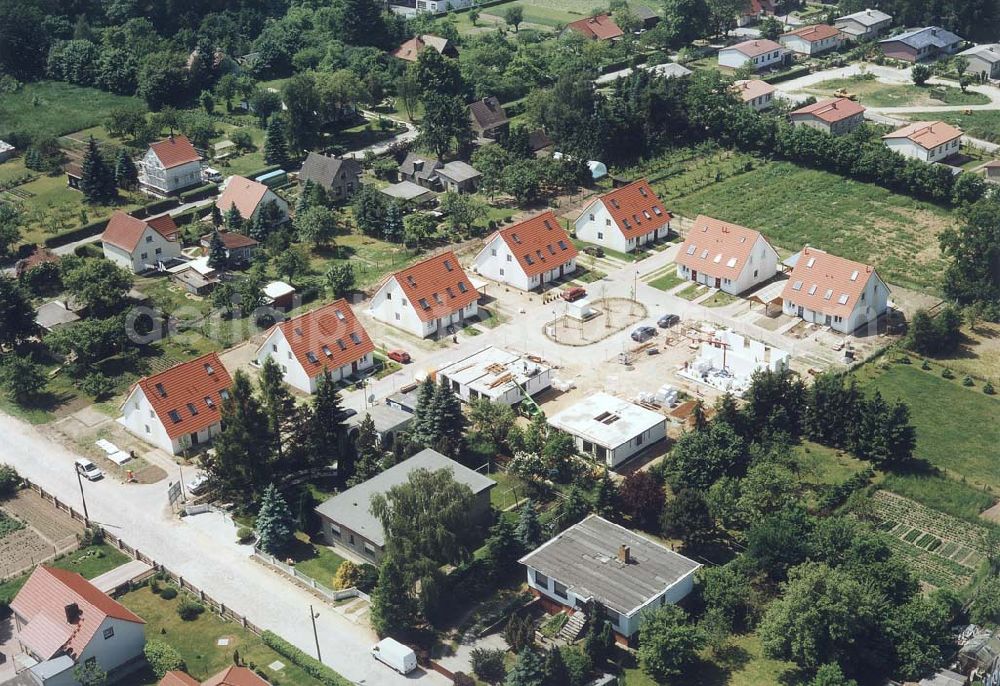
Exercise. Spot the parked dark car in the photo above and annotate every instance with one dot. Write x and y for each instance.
(668, 320)
(641, 334)
(574, 294)
(595, 250)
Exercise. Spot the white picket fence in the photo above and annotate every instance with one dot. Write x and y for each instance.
(289, 570)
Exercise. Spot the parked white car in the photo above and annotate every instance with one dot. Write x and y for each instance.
(393, 653)
(88, 470)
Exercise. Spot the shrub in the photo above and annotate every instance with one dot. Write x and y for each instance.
(925, 365)
(310, 665)
(947, 373)
(154, 586)
(168, 593)
(10, 481)
(988, 388)
(967, 381)
(488, 664)
(163, 657)
(347, 576)
(188, 610)
(369, 578)
(462, 679)
(244, 534)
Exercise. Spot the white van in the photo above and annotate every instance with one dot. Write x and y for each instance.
(395, 654)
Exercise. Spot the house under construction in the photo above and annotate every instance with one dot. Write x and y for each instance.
(497, 375)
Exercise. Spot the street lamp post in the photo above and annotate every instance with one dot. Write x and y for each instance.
(83, 498)
(312, 616)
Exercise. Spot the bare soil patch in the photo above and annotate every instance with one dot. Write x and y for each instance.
(54, 525)
(22, 549)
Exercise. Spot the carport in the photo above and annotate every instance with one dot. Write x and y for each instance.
(767, 296)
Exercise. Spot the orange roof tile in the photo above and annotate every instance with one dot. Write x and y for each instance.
(539, 243)
(42, 603)
(832, 110)
(175, 151)
(326, 338)
(175, 678)
(826, 283)
(636, 209)
(815, 32)
(748, 89)
(231, 240)
(125, 231)
(236, 676)
(243, 193)
(412, 48)
(600, 27)
(717, 248)
(753, 48)
(927, 134)
(437, 287)
(188, 396)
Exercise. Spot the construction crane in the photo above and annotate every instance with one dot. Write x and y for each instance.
(528, 407)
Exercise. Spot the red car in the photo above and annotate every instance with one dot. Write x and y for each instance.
(400, 356)
(574, 294)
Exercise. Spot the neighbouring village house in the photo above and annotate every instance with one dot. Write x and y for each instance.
(432, 174)
(755, 93)
(338, 176)
(528, 254)
(984, 60)
(140, 245)
(812, 40)
(61, 620)
(864, 25)
(596, 561)
(411, 49)
(249, 197)
(930, 141)
(833, 291)
(239, 248)
(754, 11)
(917, 45)
(759, 53)
(426, 298)
(170, 166)
(347, 520)
(624, 218)
(178, 408)
(610, 429)
(497, 375)
(327, 340)
(230, 676)
(598, 27)
(488, 118)
(836, 116)
(726, 256)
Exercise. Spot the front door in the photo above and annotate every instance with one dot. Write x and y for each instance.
(800, 310)
(694, 274)
(829, 320)
(194, 438)
(718, 282)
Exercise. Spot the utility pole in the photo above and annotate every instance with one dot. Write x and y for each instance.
(83, 498)
(313, 616)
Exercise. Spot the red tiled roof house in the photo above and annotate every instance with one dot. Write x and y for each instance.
(625, 218)
(62, 620)
(755, 93)
(328, 339)
(230, 676)
(427, 298)
(528, 254)
(726, 256)
(930, 141)
(138, 245)
(250, 197)
(598, 27)
(833, 291)
(180, 407)
(812, 40)
(759, 53)
(170, 166)
(835, 116)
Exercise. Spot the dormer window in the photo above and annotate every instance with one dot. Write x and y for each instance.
(424, 304)
(356, 338)
(161, 390)
(461, 287)
(340, 315)
(797, 286)
(192, 409)
(341, 344)
(209, 369)
(327, 351)
(175, 416)
(224, 394)
(311, 356)
(447, 265)
(210, 403)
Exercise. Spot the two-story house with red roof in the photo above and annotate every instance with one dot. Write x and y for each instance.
(178, 408)
(139, 245)
(835, 116)
(427, 298)
(170, 166)
(930, 141)
(833, 291)
(249, 198)
(329, 340)
(234, 675)
(63, 621)
(625, 218)
(726, 256)
(812, 40)
(528, 254)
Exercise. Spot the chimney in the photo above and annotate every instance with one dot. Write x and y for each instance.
(934, 32)
(72, 613)
(624, 554)
(418, 165)
(868, 12)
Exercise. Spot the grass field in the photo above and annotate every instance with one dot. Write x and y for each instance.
(822, 465)
(197, 641)
(667, 281)
(316, 561)
(877, 94)
(957, 427)
(547, 12)
(54, 108)
(794, 206)
(941, 493)
(983, 124)
(741, 663)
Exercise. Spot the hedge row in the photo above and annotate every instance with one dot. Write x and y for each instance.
(199, 192)
(266, 170)
(88, 250)
(77, 234)
(310, 665)
(787, 75)
(155, 207)
(192, 215)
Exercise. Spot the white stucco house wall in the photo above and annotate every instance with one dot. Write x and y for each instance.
(170, 166)
(726, 256)
(624, 219)
(601, 562)
(760, 53)
(329, 340)
(812, 40)
(528, 254)
(755, 93)
(609, 429)
(867, 24)
(835, 116)
(930, 141)
(426, 298)
(179, 408)
(833, 291)
(140, 245)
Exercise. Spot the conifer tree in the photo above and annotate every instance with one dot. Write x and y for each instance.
(422, 427)
(368, 453)
(607, 496)
(274, 522)
(392, 230)
(529, 670)
(97, 180)
(556, 673)
(393, 607)
(529, 529)
(234, 220)
(323, 428)
(304, 200)
(126, 175)
(217, 252)
(502, 548)
(275, 145)
(216, 216)
(278, 403)
(447, 421)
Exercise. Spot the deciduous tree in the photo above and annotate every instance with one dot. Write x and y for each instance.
(667, 643)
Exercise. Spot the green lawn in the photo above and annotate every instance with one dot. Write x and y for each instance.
(742, 663)
(668, 280)
(88, 562)
(626, 256)
(546, 12)
(794, 206)
(316, 561)
(54, 108)
(957, 427)
(371, 258)
(720, 299)
(826, 466)
(941, 493)
(983, 124)
(691, 291)
(197, 641)
(876, 94)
